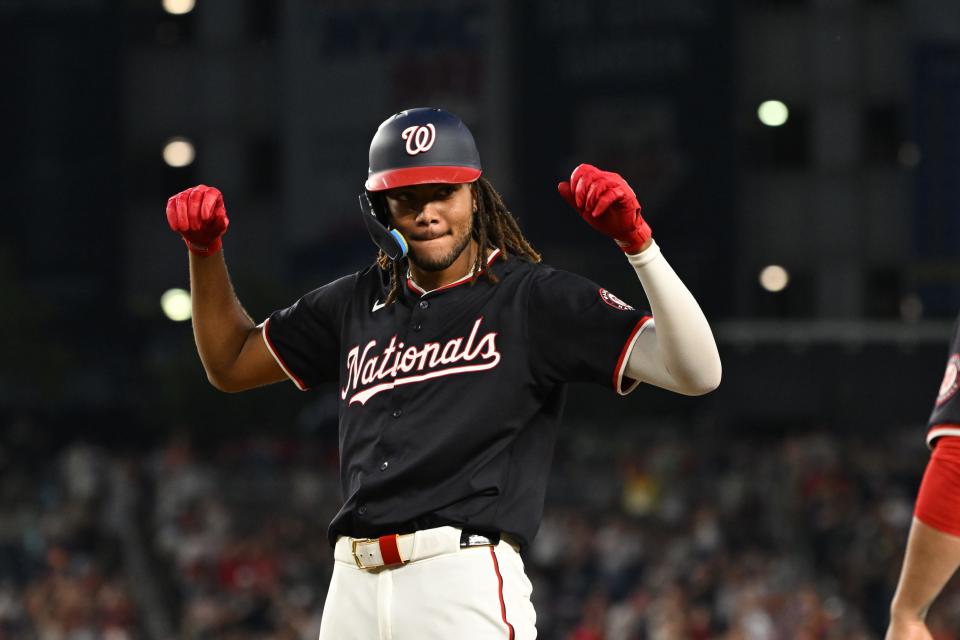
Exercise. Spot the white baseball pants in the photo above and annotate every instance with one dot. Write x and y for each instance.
(443, 592)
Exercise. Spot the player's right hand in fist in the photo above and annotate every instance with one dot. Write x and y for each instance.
(200, 218)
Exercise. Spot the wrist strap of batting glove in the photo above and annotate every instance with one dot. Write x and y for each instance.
(202, 250)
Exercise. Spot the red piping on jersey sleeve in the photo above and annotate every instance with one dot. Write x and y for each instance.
(938, 501)
(940, 430)
(624, 354)
(503, 605)
(276, 356)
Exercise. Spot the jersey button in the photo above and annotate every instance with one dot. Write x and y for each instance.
(424, 304)
(362, 509)
(384, 465)
(397, 413)
(418, 326)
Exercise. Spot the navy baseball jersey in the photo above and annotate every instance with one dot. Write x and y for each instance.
(945, 418)
(450, 399)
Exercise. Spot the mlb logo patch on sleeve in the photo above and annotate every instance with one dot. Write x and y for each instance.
(948, 388)
(614, 301)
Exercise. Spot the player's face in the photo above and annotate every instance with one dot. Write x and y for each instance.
(436, 220)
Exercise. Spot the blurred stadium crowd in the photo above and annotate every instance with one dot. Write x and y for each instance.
(649, 535)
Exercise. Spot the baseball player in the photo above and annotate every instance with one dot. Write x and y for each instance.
(452, 352)
(933, 546)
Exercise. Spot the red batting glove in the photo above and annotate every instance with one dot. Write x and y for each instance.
(608, 204)
(200, 218)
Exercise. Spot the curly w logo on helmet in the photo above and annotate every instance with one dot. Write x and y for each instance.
(419, 138)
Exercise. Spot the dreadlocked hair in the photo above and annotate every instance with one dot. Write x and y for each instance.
(494, 227)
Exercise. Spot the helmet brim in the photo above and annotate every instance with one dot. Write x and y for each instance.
(405, 177)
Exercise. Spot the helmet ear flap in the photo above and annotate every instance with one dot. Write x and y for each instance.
(379, 204)
(390, 241)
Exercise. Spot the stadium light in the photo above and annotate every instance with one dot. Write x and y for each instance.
(178, 7)
(773, 113)
(178, 152)
(176, 304)
(774, 278)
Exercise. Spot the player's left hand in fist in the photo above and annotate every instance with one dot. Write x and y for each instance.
(608, 204)
(200, 218)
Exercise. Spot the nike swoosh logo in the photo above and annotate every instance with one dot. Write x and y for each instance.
(377, 306)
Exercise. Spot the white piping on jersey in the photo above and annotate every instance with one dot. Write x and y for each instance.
(276, 356)
(942, 430)
(422, 292)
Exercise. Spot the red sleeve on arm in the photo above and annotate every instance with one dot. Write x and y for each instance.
(938, 502)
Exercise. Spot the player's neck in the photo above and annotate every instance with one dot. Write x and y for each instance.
(461, 267)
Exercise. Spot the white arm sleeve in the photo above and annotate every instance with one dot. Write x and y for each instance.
(678, 353)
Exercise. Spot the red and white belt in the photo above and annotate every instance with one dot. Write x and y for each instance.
(397, 549)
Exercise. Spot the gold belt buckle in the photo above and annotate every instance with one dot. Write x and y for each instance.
(354, 544)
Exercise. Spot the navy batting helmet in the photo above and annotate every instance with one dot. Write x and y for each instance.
(416, 146)
(420, 146)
